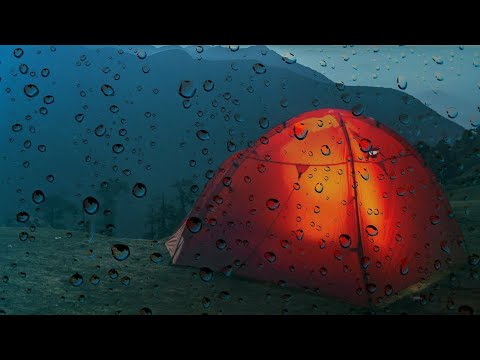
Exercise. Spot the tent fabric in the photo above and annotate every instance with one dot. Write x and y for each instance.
(328, 201)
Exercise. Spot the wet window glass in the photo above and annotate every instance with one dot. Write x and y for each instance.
(151, 180)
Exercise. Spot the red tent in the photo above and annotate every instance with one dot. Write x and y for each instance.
(328, 201)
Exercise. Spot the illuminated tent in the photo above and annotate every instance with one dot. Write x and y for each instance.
(328, 201)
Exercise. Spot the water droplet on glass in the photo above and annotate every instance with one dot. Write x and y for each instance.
(434, 220)
(263, 122)
(402, 82)
(38, 196)
(107, 90)
(17, 127)
(273, 204)
(221, 244)
(371, 288)
(345, 241)
(208, 85)
(141, 54)
(206, 274)
(139, 190)
(118, 148)
(270, 256)
(231, 147)
(203, 135)
(319, 188)
(49, 99)
(156, 258)
(18, 52)
(388, 290)
(365, 262)
(31, 90)
(45, 72)
(100, 130)
(76, 279)
(404, 268)
(452, 112)
(444, 246)
(187, 89)
(289, 58)
(325, 150)
(358, 109)
(365, 145)
(371, 230)
(90, 205)
(120, 252)
(79, 117)
(474, 259)
(194, 225)
(23, 216)
(23, 236)
(300, 131)
(259, 68)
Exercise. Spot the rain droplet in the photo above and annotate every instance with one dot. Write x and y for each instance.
(300, 131)
(38, 196)
(187, 89)
(263, 122)
(145, 311)
(444, 246)
(388, 290)
(325, 150)
(23, 216)
(79, 117)
(100, 130)
(139, 190)
(438, 59)
(203, 135)
(18, 52)
(231, 147)
(371, 230)
(90, 205)
(208, 85)
(156, 258)
(113, 274)
(365, 145)
(194, 225)
(259, 68)
(402, 82)
(221, 244)
(452, 112)
(434, 220)
(474, 259)
(206, 274)
(345, 241)
(141, 54)
(23, 236)
(49, 99)
(107, 90)
(404, 268)
(358, 110)
(45, 72)
(17, 127)
(270, 256)
(273, 204)
(234, 48)
(94, 280)
(371, 288)
(120, 252)
(319, 188)
(365, 262)
(76, 279)
(118, 148)
(289, 58)
(323, 271)
(31, 90)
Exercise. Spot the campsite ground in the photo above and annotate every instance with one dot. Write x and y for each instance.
(35, 279)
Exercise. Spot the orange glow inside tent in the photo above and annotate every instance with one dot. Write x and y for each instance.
(328, 201)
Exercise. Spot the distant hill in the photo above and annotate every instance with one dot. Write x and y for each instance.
(68, 128)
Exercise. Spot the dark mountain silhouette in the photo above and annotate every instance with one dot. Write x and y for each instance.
(70, 128)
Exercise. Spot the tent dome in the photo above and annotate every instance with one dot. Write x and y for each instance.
(328, 201)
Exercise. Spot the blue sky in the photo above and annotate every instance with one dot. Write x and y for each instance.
(446, 77)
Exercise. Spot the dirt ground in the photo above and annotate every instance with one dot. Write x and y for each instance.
(36, 279)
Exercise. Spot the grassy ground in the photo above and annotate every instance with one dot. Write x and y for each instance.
(35, 277)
